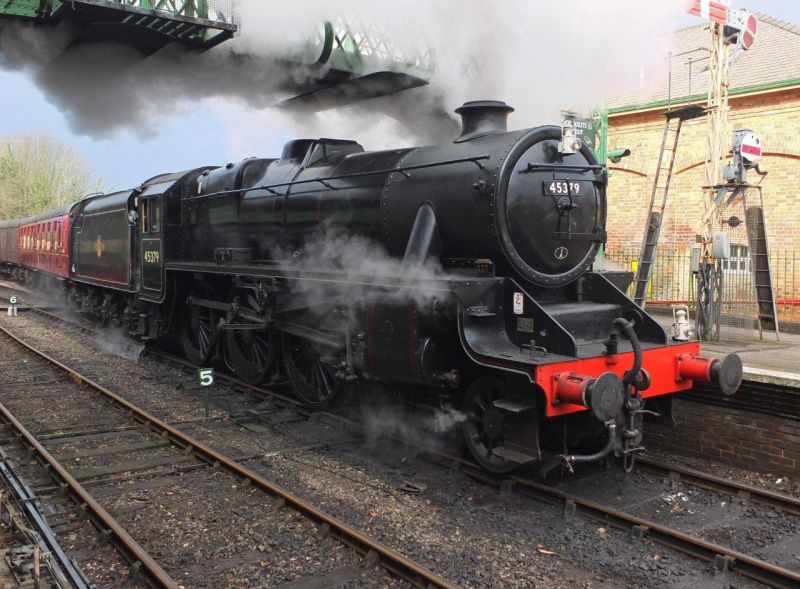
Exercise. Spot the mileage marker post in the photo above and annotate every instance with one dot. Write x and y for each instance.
(12, 306)
(207, 377)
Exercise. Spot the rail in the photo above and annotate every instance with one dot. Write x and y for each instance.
(709, 482)
(721, 556)
(744, 564)
(140, 559)
(389, 559)
(62, 568)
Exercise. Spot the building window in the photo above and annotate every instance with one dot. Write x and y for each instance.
(739, 261)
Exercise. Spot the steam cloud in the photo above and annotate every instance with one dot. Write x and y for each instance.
(354, 259)
(539, 57)
(391, 420)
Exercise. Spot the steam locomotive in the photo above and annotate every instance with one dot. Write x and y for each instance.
(460, 273)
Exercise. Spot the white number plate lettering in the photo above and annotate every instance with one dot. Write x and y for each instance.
(566, 187)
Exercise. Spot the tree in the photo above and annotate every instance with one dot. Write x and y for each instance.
(40, 172)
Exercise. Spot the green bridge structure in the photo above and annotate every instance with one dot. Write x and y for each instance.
(346, 61)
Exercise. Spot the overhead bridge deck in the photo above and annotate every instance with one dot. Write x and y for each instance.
(147, 24)
(345, 61)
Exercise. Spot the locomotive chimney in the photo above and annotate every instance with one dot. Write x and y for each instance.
(483, 117)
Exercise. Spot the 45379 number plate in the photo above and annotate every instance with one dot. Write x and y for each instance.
(565, 187)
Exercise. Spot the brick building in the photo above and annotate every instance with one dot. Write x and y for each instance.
(764, 97)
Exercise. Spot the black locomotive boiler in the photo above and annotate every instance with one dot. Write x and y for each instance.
(460, 272)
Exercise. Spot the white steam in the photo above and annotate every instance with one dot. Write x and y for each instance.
(446, 419)
(395, 421)
(354, 260)
(539, 57)
(603, 264)
(116, 342)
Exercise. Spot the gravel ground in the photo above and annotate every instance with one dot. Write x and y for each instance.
(766, 480)
(732, 522)
(461, 529)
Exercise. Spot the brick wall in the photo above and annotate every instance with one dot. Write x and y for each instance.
(760, 443)
(775, 117)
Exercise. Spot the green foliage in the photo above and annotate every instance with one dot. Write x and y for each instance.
(39, 172)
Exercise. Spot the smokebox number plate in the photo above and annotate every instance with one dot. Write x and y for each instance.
(566, 187)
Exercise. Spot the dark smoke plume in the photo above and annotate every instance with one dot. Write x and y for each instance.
(538, 56)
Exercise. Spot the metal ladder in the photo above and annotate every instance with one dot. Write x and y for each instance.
(761, 270)
(669, 146)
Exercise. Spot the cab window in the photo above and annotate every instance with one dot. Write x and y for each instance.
(155, 212)
(144, 218)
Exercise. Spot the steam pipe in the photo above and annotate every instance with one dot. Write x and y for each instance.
(627, 328)
(424, 240)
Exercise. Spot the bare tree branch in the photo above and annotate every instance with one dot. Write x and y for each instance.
(39, 172)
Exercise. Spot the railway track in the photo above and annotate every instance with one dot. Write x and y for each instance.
(175, 448)
(33, 555)
(709, 482)
(23, 306)
(723, 558)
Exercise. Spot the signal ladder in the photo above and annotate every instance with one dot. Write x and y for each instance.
(655, 215)
(761, 270)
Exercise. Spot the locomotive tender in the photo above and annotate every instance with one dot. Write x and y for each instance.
(460, 273)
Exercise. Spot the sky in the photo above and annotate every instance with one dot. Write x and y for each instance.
(201, 133)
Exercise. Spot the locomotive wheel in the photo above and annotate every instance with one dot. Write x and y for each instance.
(250, 354)
(484, 429)
(311, 374)
(197, 332)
